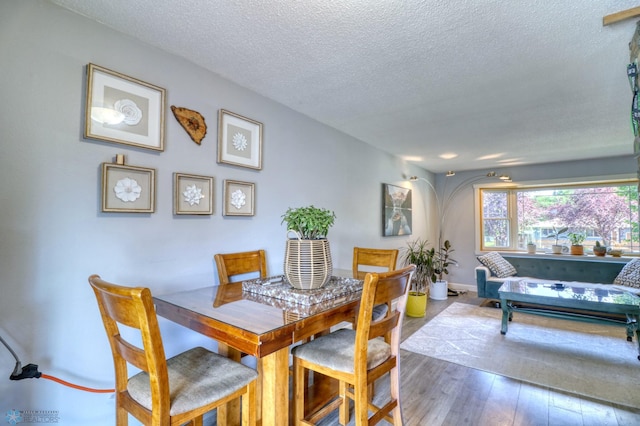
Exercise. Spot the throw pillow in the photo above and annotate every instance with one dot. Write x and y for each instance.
(629, 275)
(498, 265)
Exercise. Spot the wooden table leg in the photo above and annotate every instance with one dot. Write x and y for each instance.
(275, 388)
(229, 414)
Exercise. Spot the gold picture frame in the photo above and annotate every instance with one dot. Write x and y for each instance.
(128, 189)
(123, 109)
(239, 140)
(239, 198)
(192, 194)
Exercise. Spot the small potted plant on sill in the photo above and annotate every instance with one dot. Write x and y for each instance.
(599, 249)
(531, 247)
(557, 233)
(576, 239)
(307, 261)
(418, 253)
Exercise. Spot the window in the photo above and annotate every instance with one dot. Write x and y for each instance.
(608, 212)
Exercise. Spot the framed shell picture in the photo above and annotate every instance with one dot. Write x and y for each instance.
(128, 189)
(239, 198)
(123, 110)
(239, 140)
(193, 194)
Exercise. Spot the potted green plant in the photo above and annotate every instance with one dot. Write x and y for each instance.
(307, 262)
(531, 247)
(442, 259)
(557, 233)
(418, 253)
(599, 249)
(576, 239)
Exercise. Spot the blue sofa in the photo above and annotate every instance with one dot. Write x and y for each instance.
(551, 267)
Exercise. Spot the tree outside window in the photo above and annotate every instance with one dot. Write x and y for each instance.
(605, 213)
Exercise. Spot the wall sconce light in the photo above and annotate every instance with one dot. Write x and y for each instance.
(505, 178)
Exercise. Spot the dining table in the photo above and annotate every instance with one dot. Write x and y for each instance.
(264, 318)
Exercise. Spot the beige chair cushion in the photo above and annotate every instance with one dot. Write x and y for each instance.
(336, 351)
(196, 378)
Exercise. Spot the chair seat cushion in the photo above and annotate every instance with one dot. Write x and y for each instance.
(197, 377)
(336, 351)
(379, 312)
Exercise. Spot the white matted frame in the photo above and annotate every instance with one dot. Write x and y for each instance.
(124, 110)
(239, 140)
(239, 198)
(128, 189)
(193, 194)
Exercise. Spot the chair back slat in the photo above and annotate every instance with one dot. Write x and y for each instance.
(231, 264)
(383, 326)
(131, 353)
(380, 258)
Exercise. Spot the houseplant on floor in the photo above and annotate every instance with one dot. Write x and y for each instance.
(576, 239)
(307, 261)
(442, 259)
(418, 253)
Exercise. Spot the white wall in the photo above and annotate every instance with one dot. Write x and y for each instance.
(53, 235)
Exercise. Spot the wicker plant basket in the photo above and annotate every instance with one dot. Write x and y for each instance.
(307, 263)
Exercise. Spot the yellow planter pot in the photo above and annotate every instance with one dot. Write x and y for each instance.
(416, 304)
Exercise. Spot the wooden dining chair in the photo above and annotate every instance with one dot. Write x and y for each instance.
(379, 259)
(167, 391)
(231, 265)
(358, 357)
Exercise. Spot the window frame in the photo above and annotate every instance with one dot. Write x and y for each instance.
(512, 207)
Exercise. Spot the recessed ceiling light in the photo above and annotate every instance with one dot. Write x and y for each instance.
(490, 156)
(448, 155)
(410, 158)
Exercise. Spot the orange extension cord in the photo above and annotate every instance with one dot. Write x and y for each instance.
(71, 385)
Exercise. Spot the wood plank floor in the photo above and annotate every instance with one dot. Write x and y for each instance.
(437, 392)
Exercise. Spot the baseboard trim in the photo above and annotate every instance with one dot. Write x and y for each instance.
(463, 287)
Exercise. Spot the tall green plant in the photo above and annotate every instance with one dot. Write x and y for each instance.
(312, 223)
(418, 253)
(441, 261)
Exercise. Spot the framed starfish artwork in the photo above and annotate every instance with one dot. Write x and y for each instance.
(192, 194)
(239, 140)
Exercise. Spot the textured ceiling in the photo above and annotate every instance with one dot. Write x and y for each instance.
(495, 82)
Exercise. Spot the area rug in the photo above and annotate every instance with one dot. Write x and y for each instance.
(592, 360)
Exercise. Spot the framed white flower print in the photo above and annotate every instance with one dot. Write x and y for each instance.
(239, 198)
(192, 194)
(128, 189)
(239, 140)
(124, 110)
